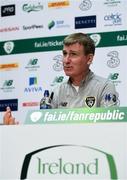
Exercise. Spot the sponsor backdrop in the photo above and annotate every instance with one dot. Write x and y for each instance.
(31, 40)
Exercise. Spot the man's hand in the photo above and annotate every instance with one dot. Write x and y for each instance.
(8, 119)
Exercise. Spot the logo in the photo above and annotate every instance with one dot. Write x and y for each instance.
(8, 83)
(90, 101)
(32, 65)
(9, 29)
(8, 10)
(114, 78)
(51, 24)
(114, 60)
(30, 104)
(58, 4)
(113, 19)
(96, 38)
(8, 66)
(12, 103)
(112, 3)
(57, 80)
(8, 47)
(110, 98)
(58, 24)
(33, 86)
(33, 27)
(56, 162)
(58, 66)
(85, 5)
(32, 81)
(8, 86)
(85, 22)
(35, 116)
(32, 7)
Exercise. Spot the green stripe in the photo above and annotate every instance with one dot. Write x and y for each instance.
(116, 38)
(78, 115)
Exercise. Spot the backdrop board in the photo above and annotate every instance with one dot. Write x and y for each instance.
(31, 42)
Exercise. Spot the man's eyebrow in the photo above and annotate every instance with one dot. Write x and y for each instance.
(70, 51)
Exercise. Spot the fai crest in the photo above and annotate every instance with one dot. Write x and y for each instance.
(90, 101)
(96, 38)
(8, 47)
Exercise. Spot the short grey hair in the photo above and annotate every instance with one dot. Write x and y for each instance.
(83, 39)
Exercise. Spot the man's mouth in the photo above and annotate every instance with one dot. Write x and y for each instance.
(67, 67)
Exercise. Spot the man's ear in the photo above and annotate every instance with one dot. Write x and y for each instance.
(90, 59)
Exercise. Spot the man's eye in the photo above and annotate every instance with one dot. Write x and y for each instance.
(64, 54)
(73, 54)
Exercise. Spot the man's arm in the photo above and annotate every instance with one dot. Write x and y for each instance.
(109, 96)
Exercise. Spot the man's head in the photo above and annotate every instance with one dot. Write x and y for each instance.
(82, 39)
(78, 52)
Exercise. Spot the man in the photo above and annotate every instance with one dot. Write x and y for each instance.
(83, 88)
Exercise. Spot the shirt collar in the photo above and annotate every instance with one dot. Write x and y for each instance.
(85, 79)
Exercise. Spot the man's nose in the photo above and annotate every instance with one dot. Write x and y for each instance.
(67, 59)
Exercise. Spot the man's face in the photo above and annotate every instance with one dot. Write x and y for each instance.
(75, 62)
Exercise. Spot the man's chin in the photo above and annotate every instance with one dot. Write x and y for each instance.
(68, 74)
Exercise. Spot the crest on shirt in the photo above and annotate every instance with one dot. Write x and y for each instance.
(90, 101)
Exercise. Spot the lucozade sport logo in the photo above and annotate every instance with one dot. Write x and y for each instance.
(57, 162)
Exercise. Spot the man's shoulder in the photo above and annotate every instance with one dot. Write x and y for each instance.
(100, 79)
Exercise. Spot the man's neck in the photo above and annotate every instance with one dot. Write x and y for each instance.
(76, 81)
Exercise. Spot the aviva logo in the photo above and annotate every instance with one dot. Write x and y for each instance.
(68, 161)
(32, 81)
(33, 86)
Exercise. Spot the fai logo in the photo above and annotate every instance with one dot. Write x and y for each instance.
(90, 101)
(35, 116)
(8, 47)
(96, 38)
